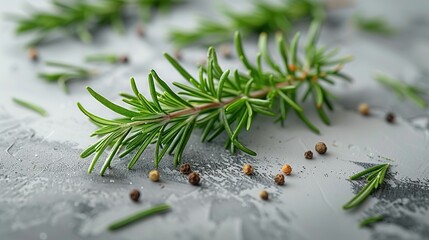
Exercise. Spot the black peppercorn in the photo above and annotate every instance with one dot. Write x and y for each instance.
(185, 168)
(390, 117)
(194, 178)
(135, 195)
(123, 59)
(279, 179)
(308, 155)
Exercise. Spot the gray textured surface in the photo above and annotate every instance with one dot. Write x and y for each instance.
(47, 194)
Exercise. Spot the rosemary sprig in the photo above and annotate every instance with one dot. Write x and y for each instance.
(375, 176)
(217, 101)
(84, 18)
(370, 220)
(138, 216)
(374, 25)
(265, 17)
(31, 106)
(68, 72)
(106, 58)
(403, 90)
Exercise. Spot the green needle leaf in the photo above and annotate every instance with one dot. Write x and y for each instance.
(31, 106)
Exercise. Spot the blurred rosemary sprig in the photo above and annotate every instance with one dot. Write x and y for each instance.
(67, 73)
(31, 106)
(375, 177)
(403, 90)
(371, 220)
(106, 58)
(217, 101)
(264, 17)
(84, 18)
(374, 25)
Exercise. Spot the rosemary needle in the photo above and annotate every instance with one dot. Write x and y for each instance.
(31, 106)
(138, 216)
(369, 221)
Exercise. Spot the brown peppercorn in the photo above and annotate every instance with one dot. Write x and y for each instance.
(247, 169)
(123, 59)
(154, 175)
(225, 50)
(135, 195)
(292, 67)
(140, 31)
(364, 109)
(33, 54)
(185, 168)
(263, 195)
(286, 169)
(194, 178)
(321, 148)
(390, 117)
(279, 179)
(178, 55)
(308, 154)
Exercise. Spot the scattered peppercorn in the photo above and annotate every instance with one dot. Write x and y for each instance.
(247, 169)
(292, 67)
(364, 109)
(390, 117)
(154, 175)
(286, 169)
(194, 178)
(33, 54)
(225, 50)
(185, 168)
(140, 31)
(263, 195)
(178, 55)
(321, 148)
(279, 179)
(308, 154)
(123, 59)
(135, 195)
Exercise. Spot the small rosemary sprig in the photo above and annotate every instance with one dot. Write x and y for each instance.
(403, 90)
(68, 72)
(375, 176)
(106, 58)
(374, 25)
(84, 18)
(217, 101)
(31, 106)
(265, 17)
(371, 220)
(138, 216)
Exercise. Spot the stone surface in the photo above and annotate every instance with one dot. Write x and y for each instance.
(47, 194)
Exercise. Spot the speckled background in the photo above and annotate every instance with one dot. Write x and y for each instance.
(47, 194)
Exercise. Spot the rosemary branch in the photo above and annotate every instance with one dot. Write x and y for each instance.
(375, 177)
(265, 17)
(84, 18)
(217, 101)
(403, 90)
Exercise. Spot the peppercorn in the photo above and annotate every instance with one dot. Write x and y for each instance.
(279, 179)
(33, 54)
(226, 51)
(140, 31)
(286, 169)
(308, 154)
(185, 168)
(390, 117)
(194, 178)
(321, 148)
(178, 55)
(292, 67)
(135, 195)
(263, 195)
(154, 175)
(247, 169)
(123, 59)
(364, 109)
